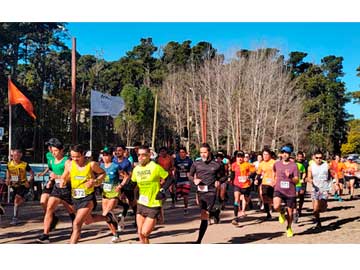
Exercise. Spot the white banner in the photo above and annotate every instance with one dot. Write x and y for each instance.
(104, 104)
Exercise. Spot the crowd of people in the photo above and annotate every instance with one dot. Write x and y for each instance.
(142, 180)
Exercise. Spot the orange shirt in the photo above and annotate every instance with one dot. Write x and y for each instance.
(351, 168)
(266, 170)
(242, 173)
(166, 163)
(337, 168)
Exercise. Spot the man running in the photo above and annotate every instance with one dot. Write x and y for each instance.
(240, 177)
(148, 176)
(337, 168)
(351, 169)
(286, 176)
(182, 168)
(81, 174)
(300, 186)
(16, 178)
(127, 196)
(206, 175)
(58, 195)
(319, 178)
(265, 180)
(167, 162)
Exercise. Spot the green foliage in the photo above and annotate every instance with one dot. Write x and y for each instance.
(353, 139)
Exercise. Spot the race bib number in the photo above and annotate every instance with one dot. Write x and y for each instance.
(268, 181)
(79, 193)
(183, 175)
(284, 184)
(107, 187)
(14, 178)
(242, 179)
(203, 188)
(143, 199)
(79, 177)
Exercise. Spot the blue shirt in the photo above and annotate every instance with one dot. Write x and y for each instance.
(182, 168)
(112, 173)
(124, 165)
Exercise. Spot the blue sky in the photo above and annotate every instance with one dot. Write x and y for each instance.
(316, 39)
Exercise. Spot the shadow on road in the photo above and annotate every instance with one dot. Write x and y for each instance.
(249, 238)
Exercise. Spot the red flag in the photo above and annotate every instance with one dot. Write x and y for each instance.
(16, 97)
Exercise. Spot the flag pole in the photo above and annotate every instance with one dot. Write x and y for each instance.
(91, 131)
(154, 122)
(10, 128)
(10, 122)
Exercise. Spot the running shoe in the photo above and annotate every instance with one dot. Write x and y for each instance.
(235, 222)
(336, 196)
(289, 232)
(115, 239)
(282, 218)
(340, 199)
(268, 217)
(14, 221)
(43, 239)
(2, 210)
(186, 212)
(121, 226)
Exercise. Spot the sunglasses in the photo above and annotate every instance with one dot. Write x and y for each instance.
(318, 157)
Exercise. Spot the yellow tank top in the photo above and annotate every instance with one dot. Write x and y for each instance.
(17, 172)
(78, 179)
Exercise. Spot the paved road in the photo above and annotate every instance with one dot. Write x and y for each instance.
(341, 225)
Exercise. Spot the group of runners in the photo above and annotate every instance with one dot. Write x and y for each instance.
(143, 180)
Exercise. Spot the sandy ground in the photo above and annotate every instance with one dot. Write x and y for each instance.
(341, 225)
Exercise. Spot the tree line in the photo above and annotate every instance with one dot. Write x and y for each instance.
(255, 98)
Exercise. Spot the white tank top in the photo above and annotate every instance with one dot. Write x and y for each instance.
(320, 176)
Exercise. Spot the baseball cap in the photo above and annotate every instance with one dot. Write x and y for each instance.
(240, 154)
(106, 150)
(53, 142)
(351, 158)
(286, 149)
(88, 154)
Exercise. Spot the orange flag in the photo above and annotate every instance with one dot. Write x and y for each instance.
(16, 97)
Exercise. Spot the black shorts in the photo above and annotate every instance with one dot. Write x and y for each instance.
(341, 181)
(289, 201)
(63, 194)
(207, 200)
(267, 191)
(48, 190)
(20, 191)
(348, 178)
(145, 211)
(243, 191)
(84, 202)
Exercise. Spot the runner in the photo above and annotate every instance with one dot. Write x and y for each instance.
(300, 186)
(222, 189)
(240, 177)
(127, 196)
(148, 176)
(16, 179)
(49, 185)
(112, 187)
(319, 178)
(337, 168)
(265, 180)
(167, 162)
(182, 168)
(286, 176)
(81, 174)
(206, 175)
(58, 195)
(351, 169)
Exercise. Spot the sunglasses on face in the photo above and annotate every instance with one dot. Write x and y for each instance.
(318, 157)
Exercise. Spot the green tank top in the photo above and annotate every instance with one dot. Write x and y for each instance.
(58, 168)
